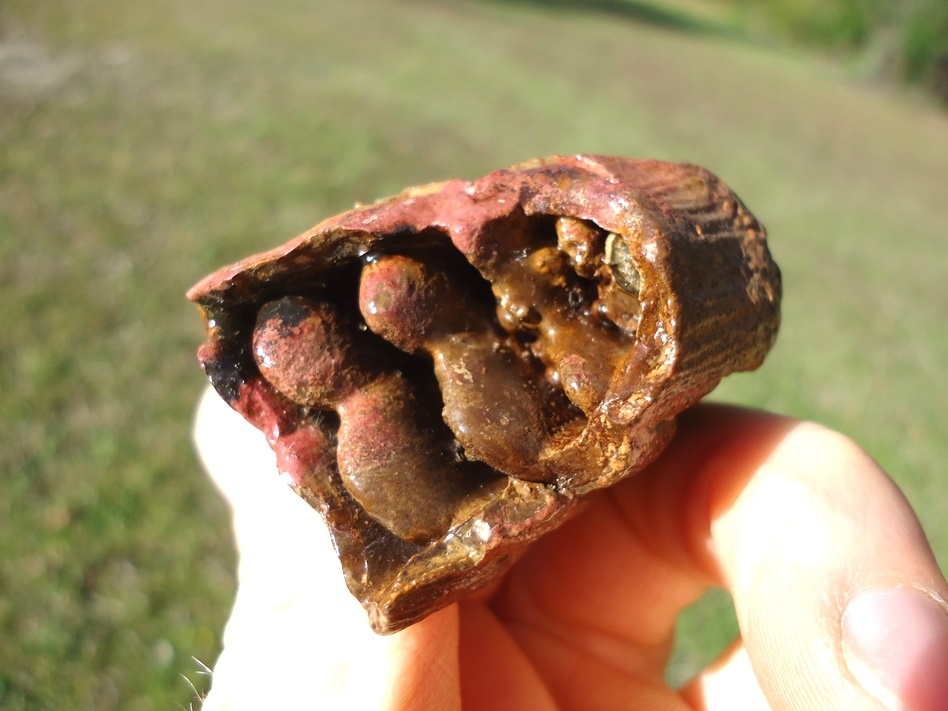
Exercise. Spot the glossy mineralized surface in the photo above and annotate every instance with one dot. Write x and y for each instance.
(444, 374)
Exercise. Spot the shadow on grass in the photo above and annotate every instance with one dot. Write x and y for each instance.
(638, 11)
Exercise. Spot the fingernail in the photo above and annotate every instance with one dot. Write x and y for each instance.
(895, 641)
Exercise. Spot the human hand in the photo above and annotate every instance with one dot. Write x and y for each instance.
(840, 602)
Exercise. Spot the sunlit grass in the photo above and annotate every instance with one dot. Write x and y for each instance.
(144, 144)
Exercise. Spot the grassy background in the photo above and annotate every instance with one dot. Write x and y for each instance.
(144, 144)
(895, 39)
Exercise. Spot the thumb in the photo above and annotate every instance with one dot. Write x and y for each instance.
(840, 601)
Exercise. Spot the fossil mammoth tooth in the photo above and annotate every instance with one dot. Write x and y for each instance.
(443, 374)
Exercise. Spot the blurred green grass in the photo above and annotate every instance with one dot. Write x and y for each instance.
(145, 144)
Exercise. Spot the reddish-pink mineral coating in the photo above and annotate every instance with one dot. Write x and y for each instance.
(445, 373)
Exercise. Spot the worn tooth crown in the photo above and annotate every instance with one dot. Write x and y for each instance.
(445, 373)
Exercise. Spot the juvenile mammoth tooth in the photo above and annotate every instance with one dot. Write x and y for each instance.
(445, 373)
